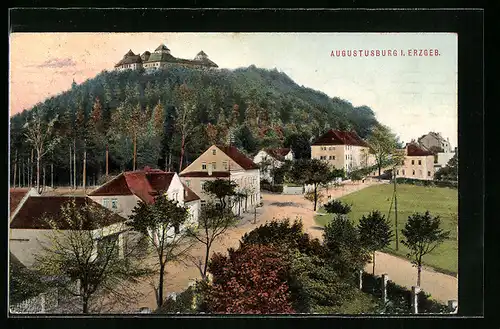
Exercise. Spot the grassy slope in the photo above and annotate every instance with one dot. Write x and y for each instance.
(439, 201)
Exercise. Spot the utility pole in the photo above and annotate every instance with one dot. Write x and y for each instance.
(52, 175)
(396, 210)
(255, 215)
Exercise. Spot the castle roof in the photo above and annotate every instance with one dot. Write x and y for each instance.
(129, 58)
(161, 57)
(162, 47)
(145, 55)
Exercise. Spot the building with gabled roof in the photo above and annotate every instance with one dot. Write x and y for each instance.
(418, 163)
(343, 150)
(125, 191)
(225, 162)
(434, 140)
(162, 58)
(270, 158)
(29, 230)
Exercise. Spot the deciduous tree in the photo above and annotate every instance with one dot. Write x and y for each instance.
(375, 233)
(161, 223)
(383, 143)
(422, 234)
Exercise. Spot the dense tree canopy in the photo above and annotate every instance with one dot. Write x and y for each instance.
(150, 116)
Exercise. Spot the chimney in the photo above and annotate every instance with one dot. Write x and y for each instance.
(210, 170)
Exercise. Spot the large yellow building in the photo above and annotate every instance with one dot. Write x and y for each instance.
(342, 149)
(418, 163)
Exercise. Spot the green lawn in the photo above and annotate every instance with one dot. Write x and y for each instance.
(439, 201)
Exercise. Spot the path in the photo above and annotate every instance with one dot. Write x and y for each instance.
(442, 287)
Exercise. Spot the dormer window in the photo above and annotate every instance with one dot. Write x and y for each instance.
(204, 166)
(214, 152)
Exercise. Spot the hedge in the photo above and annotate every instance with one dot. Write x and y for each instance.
(399, 298)
(271, 188)
(183, 303)
(432, 183)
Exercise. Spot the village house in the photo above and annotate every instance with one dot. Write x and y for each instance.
(125, 191)
(225, 162)
(29, 230)
(161, 58)
(271, 158)
(418, 163)
(342, 150)
(434, 141)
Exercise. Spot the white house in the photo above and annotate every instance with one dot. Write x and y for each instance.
(269, 159)
(126, 190)
(29, 231)
(225, 162)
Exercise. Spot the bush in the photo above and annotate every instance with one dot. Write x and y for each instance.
(337, 207)
(182, 304)
(431, 183)
(399, 298)
(266, 186)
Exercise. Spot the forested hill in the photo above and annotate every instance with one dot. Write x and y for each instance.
(182, 106)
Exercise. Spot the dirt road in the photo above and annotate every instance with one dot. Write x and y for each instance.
(442, 287)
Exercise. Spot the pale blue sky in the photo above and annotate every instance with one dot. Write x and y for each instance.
(412, 95)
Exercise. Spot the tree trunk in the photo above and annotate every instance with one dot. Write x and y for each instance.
(159, 296)
(74, 164)
(315, 196)
(207, 254)
(19, 178)
(107, 161)
(419, 271)
(135, 151)
(183, 144)
(38, 173)
(44, 184)
(70, 168)
(24, 175)
(52, 175)
(84, 170)
(31, 169)
(85, 305)
(373, 270)
(15, 170)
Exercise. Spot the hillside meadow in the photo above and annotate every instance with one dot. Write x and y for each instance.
(442, 202)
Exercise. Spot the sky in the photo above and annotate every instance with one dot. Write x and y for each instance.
(411, 94)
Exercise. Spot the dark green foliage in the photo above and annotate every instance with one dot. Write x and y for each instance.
(450, 171)
(375, 233)
(337, 207)
(399, 297)
(422, 234)
(342, 241)
(266, 98)
(221, 189)
(183, 303)
(23, 282)
(430, 183)
(282, 233)
(266, 186)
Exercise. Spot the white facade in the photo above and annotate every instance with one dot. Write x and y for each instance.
(249, 183)
(263, 156)
(25, 244)
(119, 204)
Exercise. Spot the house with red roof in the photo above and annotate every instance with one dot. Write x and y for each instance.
(225, 162)
(343, 150)
(125, 191)
(30, 231)
(418, 163)
(270, 158)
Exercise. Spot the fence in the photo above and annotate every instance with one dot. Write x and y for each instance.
(398, 299)
(42, 303)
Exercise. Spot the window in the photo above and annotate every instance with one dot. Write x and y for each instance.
(203, 203)
(214, 165)
(397, 172)
(412, 162)
(188, 183)
(224, 164)
(413, 172)
(323, 157)
(330, 148)
(202, 182)
(203, 166)
(114, 204)
(429, 174)
(177, 229)
(403, 172)
(214, 151)
(419, 162)
(332, 157)
(105, 203)
(346, 156)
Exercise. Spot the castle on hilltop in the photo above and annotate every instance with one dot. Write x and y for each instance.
(161, 58)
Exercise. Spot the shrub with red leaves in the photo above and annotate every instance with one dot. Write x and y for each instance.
(249, 280)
